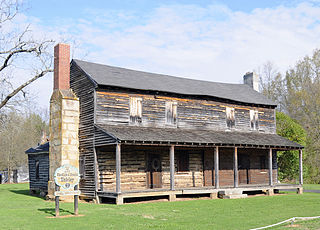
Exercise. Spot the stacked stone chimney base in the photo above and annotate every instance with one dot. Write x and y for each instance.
(64, 140)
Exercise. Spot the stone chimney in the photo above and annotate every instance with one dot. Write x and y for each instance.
(44, 138)
(251, 79)
(64, 117)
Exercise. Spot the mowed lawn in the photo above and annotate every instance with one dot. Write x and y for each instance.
(18, 210)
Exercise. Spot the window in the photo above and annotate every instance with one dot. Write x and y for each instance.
(183, 162)
(171, 112)
(230, 117)
(254, 119)
(135, 110)
(37, 170)
(263, 162)
(82, 166)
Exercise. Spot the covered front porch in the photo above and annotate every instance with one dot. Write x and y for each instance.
(130, 168)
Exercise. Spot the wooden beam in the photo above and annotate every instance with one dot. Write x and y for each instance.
(235, 167)
(300, 168)
(216, 167)
(270, 168)
(118, 168)
(96, 174)
(172, 168)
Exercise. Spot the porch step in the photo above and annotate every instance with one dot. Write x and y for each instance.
(230, 192)
(234, 196)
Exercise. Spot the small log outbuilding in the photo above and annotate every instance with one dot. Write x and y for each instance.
(38, 163)
(144, 134)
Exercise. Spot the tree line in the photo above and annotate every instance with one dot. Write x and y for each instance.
(18, 133)
(297, 93)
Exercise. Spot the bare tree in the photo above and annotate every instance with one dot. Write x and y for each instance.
(19, 51)
(19, 133)
(272, 84)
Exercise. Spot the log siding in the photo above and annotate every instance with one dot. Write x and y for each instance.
(134, 175)
(41, 183)
(113, 109)
(84, 90)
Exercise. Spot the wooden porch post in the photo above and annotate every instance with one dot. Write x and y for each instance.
(216, 167)
(235, 167)
(300, 168)
(270, 168)
(118, 168)
(172, 167)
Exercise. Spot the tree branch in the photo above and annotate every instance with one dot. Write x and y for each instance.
(17, 90)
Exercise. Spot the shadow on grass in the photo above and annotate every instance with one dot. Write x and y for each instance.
(52, 211)
(26, 192)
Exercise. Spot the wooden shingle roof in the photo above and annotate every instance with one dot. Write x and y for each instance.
(104, 75)
(44, 148)
(135, 134)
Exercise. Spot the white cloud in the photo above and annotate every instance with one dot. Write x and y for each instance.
(212, 43)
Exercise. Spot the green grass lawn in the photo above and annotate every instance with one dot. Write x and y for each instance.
(18, 210)
(311, 186)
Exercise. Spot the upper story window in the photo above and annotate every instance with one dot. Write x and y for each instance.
(171, 112)
(254, 119)
(230, 118)
(135, 110)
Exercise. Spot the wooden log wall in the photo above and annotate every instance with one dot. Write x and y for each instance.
(258, 175)
(226, 175)
(42, 182)
(134, 165)
(84, 89)
(113, 109)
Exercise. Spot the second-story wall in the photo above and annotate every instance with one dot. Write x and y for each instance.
(113, 107)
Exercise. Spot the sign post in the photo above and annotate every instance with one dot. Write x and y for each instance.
(67, 178)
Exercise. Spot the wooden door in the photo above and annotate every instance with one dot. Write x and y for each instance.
(154, 172)
(243, 169)
(208, 168)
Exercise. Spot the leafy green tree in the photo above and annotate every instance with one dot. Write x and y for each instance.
(302, 103)
(288, 161)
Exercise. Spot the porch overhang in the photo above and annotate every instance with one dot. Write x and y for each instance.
(183, 137)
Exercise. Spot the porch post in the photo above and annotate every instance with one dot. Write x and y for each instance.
(216, 167)
(172, 167)
(270, 168)
(300, 168)
(118, 168)
(235, 167)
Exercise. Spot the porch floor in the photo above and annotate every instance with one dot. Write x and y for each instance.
(194, 190)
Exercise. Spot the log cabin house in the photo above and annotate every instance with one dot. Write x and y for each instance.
(147, 135)
(38, 164)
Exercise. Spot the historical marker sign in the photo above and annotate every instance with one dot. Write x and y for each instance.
(67, 176)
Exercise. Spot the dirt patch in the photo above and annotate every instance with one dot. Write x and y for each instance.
(148, 217)
(293, 226)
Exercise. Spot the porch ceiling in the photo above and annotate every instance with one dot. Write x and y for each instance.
(135, 134)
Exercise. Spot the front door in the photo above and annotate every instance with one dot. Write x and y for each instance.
(243, 168)
(208, 168)
(154, 173)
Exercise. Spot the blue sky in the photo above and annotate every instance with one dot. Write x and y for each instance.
(51, 9)
(208, 40)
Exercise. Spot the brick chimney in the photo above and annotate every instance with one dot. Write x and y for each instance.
(61, 66)
(251, 79)
(64, 117)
